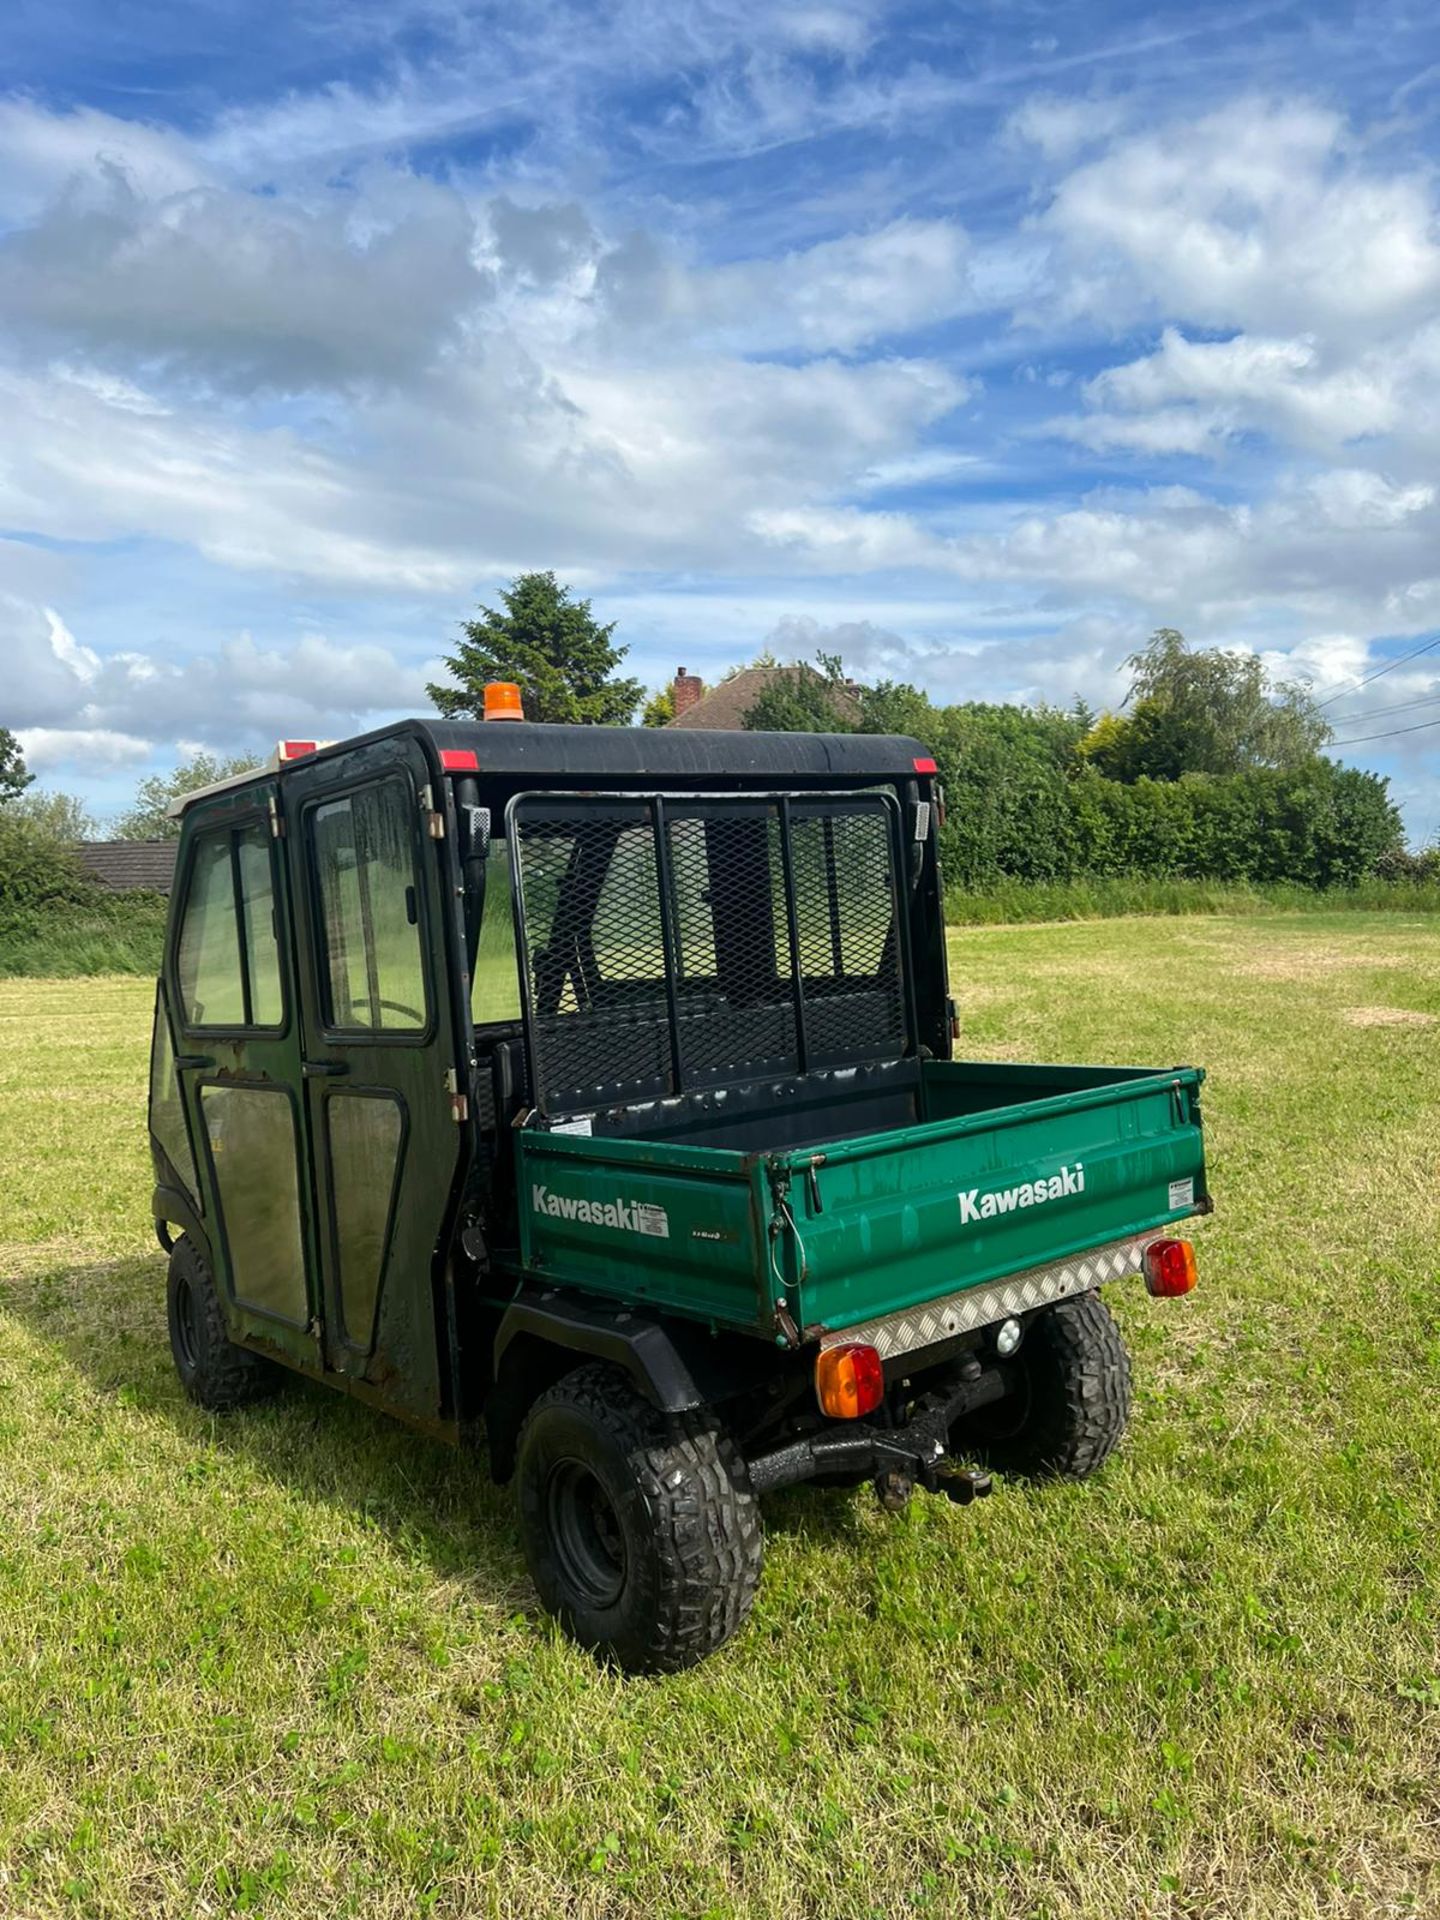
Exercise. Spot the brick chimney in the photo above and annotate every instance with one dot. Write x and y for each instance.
(687, 690)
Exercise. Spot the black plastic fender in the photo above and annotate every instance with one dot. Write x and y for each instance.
(544, 1333)
(172, 1206)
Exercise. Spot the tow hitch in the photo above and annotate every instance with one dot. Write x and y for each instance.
(964, 1484)
(900, 1457)
(957, 1483)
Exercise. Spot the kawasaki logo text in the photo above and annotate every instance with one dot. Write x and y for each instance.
(629, 1216)
(975, 1205)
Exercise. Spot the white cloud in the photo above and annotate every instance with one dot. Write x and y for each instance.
(1352, 498)
(1062, 127)
(842, 30)
(838, 295)
(842, 293)
(44, 153)
(46, 748)
(242, 290)
(82, 662)
(1262, 215)
(71, 705)
(1191, 396)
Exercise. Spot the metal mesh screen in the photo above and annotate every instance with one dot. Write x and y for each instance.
(676, 944)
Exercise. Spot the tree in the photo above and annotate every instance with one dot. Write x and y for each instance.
(659, 709)
(552, 647)
(15, 776)
(804, 699)
(61, 817)
(149, 818)
(1204, 710)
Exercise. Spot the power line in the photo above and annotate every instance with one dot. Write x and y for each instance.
(1381, 713)
(1392, 734)
(1388, 666)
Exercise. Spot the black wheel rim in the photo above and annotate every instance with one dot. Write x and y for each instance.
(585, 1529)
(186, 1339)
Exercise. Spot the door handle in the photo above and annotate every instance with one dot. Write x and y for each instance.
(193, 1060)
(324, 1069)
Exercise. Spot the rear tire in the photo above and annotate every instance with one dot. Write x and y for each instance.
(1073, 1401)
(214, 1372)
(641, 1532)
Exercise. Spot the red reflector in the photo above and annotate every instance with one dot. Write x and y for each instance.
(1169, 1268)
(849, 1381)
(459, 760)
(924, 764)
(294, 749)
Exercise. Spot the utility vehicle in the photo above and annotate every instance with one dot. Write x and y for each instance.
(589, 1091)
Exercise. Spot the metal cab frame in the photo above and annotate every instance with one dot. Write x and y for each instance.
(382, 1148)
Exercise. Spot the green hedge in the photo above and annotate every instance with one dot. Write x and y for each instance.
(1323, 826)
(107, 933)
(55, 920)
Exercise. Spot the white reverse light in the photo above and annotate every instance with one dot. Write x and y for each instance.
(1007, 1338)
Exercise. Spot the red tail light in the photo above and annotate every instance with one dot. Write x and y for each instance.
(1169, 1268)
(849, 1381)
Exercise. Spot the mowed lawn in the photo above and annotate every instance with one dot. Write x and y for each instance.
(290, 1662)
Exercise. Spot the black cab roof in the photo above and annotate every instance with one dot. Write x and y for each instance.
(524, 752)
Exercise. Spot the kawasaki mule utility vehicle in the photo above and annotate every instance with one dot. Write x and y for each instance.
(591, 1089)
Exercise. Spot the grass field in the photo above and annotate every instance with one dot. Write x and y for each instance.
(290, 1663)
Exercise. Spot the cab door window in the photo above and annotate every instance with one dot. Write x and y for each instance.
(495, 979)
(228, 959)
(372, 967)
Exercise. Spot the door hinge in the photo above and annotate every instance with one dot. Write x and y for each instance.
(434, 820)
(459, 1105)
(277, 824)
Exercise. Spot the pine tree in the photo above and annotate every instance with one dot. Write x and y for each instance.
(552, 647)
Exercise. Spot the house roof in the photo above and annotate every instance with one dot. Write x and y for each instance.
(725, 706)
(125, 866)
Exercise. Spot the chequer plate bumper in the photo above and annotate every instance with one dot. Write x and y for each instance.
(981, 1306)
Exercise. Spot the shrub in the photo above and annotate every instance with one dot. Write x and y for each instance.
(37, 871)
(1320, 825)
(54, 920)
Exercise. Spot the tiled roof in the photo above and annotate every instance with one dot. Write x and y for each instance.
(126, 865)
(726, 705)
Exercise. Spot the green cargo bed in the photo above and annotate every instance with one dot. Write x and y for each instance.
(1011, 1169)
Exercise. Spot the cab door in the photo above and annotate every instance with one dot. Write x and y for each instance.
(379, 1053)
(230, 984)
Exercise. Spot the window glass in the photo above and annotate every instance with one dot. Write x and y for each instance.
(220, 986)
(495, 988)
(365, 1132)
(257, 905)
(364, 860)
(250, 1131)
(167, 1116)
(211, 985)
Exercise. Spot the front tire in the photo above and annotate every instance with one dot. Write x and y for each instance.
(641, 1532)
(215, 1373)
(1073, 1399)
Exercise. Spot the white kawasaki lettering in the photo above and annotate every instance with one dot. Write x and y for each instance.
(626, 1216)
(975, 1205)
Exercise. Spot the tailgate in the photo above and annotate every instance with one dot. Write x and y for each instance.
(887, 1222)
(678, 1227)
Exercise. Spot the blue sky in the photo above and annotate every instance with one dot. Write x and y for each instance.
(974, 342)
